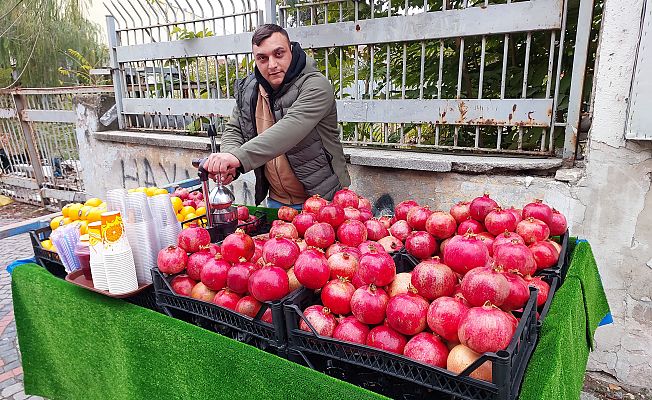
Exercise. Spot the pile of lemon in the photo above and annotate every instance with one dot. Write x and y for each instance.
(149, 191)
(77, 213)
(185, 213)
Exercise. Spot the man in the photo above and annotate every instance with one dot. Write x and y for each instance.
(284, 126)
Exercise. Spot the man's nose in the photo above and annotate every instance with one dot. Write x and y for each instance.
(272, 63)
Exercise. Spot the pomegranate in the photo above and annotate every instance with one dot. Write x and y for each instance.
(356, 280)
(433, 279)
(377, 268)
(401, 210)
(365, 215)
(172, 260)
(518, 292)
(331, 214)
(301, 244)
(287, 214)
(336, 295)
(311, 269)
(499, 221)
(400, 230)
(400, 284)
(346, 198)
(364, 204)
(486, 328)
(237, 277)
(238, 245)
(369, 246)
(417, 217)
(517, 213)
(459, 359)
(507, 237)
(267, 316)
(443, 244)
(463, 253)
(444, 315)
(533, 230)
(349, 329)
(342, 265)
(375, 229)
(336, 247)
(304, 221)
(461, 211)
(269, 283)
(390, 244)
(485, 284)
(556, 245)
(488, 240)
(470, 225)
(243, 213)
(320, 235)
(182, 284)
(441, 225)
(321, 319)
(293, 281)
(258, 249)
(515, 256)
(557, 224)
(281, 252)
(352, 233)
(284, 229)
(213, 248)
(481, 206)
(406, 313)
(428, 349)
(385, 220)
(214, 272)
(368, 304)
(248, 306)
(351, 213)
(314, 203)
(421, 244)
(385, 338)
(543, 286)
(196, 263)
(227, 299)
(191, 239)
(181, 193)
(545, 254)
(538, 210)
(201, 292)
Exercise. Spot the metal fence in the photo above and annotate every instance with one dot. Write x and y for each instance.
(38, 144)
(491, 76)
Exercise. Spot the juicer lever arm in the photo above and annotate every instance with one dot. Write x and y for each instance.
(199, 164)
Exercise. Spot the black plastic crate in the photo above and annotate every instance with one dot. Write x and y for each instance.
(256, 227)
(220, 319)
(46, 258)
(561, 268)
(145, 299)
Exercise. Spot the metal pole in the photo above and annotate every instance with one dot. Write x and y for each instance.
(115, 68)
(30, 140)
(270, 11)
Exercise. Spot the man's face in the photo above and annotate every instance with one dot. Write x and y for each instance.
(273, 57)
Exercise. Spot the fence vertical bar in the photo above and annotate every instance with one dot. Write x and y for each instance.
(115, 68)
(28, 132)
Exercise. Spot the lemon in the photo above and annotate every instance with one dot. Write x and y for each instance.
(84, 211)
(151, 191)
(201, 211)
(140, 189)
(160, 191)
(180, 218)
(132, 191)
(94, 202)
(95, 214)
(190, 216)
(73, 211)
(177, 203)
(187, 210)
(56, 222)
(66, 221)
(46, 244)
(83, 227)
(64, 210)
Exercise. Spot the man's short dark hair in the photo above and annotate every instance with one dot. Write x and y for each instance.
(264, 31)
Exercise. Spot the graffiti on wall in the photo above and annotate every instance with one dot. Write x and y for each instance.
(141, 173)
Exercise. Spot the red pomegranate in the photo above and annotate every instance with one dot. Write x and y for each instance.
(365, 215)
(351, 213)
(368, 304)
(331, 214)
(486, 328)
(517, 213)
(558, 224)
(515, 256)
(346, 198)
(421, 244)
(385, 338)
(314, 203)
(485, 284)
(391, 244)
(357, 281)
(401, 210)
(364, 204)
(321, 319)
(287, 213)
(538, 210)
(213, 273)
(375, 229)
(377, 268)
(433, 279)
(238, 245)
(336, 295)
(488, 240)
(172, 260)
(555, 245)
(385, 220)
(406, 313)
(311, 269)
(182, 284)
(499, 221)
(401, 284)
(342, 265)
(444, 316)
(193, 238)
(301, 244)
(294, 282)
(417, 217)
(443, 244)
(336, 247)
(320, 235)
(428, 349)
(533, 230)
(400, 230)
(470, 225)
(243, 213)
(463, 253)
(352, 233)
(213, 248)
(461, 211)
(518, 292)
(545, 254)
(248, 306)
(349, 329)
(481, 206)
(281, 252)
(258, 249)
(267, 316)
(284, 229)
(196, 263)
(368, 246)
(269, 283)
(507, 237)
(304, 221)
(543, 286)
(201, 292)
(227, 299)
(237, 277)
(441, 225)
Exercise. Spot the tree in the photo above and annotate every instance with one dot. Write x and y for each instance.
(35, 39)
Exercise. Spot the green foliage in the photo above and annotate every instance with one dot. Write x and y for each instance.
(81, 70)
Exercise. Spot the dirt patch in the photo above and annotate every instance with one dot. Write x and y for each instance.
(19, 212)
(604, 387)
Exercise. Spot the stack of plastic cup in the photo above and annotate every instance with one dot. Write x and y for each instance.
(118, 258)
(65, 239)
(116, 200)
(141, 233)
(97, 256)
(167, 225)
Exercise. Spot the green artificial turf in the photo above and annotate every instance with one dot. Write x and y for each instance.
(556, 370)
(76, 344)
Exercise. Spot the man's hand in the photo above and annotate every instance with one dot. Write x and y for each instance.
(222, 166)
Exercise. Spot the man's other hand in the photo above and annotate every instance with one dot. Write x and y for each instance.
(222, 166)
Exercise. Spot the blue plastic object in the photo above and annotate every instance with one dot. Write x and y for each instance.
(608, 319)
(13, 265)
